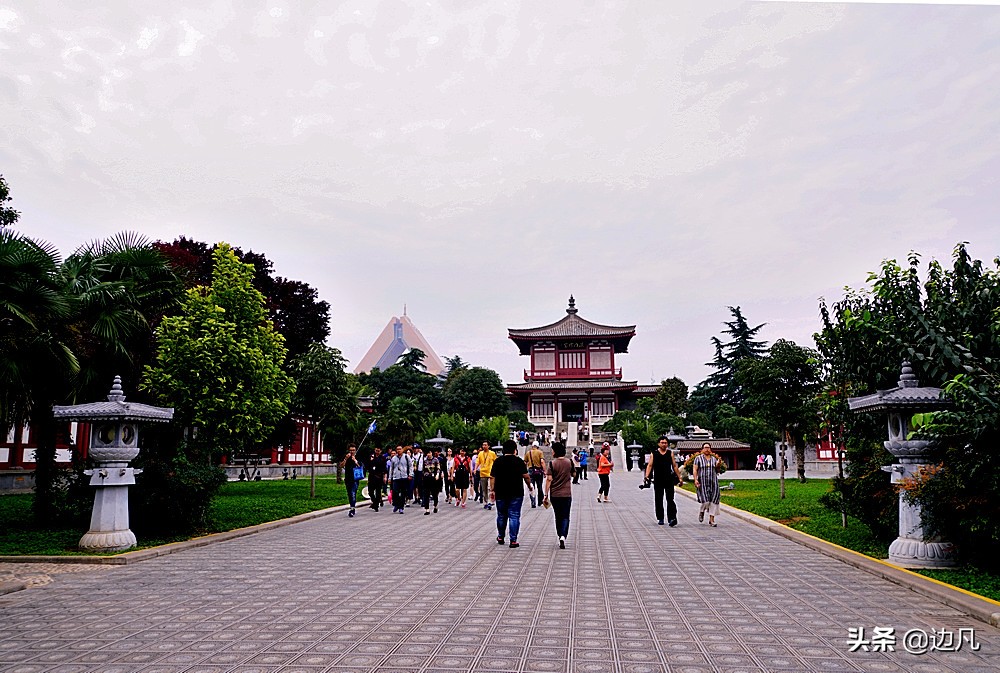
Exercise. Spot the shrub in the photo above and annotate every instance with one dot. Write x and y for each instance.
(173, 495)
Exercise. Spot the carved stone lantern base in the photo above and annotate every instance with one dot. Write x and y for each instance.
(918, 554)
(107, 541)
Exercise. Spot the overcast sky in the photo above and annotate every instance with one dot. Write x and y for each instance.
(480, 162)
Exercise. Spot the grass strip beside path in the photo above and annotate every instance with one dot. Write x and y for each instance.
(237, 505)
(802, 511)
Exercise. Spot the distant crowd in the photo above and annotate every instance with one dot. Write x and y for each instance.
(422, 476)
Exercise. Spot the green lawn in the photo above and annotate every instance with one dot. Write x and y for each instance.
(238, 504)
(801, 510)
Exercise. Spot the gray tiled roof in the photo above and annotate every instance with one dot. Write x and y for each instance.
(573, 385)
(722, 444)
(908, 395)
(572, 326)
(116, 408)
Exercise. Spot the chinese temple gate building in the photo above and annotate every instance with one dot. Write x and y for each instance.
(573, 381)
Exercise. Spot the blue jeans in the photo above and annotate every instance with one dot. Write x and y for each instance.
(352, 491)
(509, 509)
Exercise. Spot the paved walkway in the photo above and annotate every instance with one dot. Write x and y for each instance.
(384, 592)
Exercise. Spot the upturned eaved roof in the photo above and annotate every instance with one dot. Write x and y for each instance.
(908, 395)
(581, 384)
(721, 444)
(572, 327)
(116, 409)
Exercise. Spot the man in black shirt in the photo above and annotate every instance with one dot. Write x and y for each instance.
(508, 491)
(376, 478)
(665, 473)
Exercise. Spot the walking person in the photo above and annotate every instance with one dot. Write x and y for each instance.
(584, 459)
(353, 474)
(506, 489)
(706, 480)
(418, 473)
(559, 489)
(430, 487)
(449, 485)
(476, 493)
(400, 474)
(576, 466)
(376, 478)
(665, 474)
(605, 466)
(536, 469)
(486, 459)
(460, 473)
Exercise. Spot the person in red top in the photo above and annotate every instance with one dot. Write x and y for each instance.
(460, 472)
(605, 466)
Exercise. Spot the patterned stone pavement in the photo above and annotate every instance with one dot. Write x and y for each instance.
(384, 592)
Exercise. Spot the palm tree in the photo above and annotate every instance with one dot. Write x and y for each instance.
(69, 326)
(403, 418)
(119, 288)
(32, 304)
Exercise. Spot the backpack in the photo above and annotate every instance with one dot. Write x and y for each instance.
(462, 469)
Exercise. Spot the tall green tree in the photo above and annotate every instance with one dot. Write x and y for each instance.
(293, 306)
(475, 394)
(406, 378)
(781, 389)
(947, 325)
(672, 396)
(327, 392)
(722, 386)
(219, 362)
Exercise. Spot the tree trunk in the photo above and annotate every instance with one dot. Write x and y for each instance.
(46, 471)
(781, 463)
(800, 457)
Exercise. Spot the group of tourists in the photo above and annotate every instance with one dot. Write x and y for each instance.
(764, 462)
(415, 475)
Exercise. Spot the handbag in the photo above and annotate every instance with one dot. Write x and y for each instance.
(359, 473)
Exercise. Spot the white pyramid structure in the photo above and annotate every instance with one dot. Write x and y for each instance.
(398, 336)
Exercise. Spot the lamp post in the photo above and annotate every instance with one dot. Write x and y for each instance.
(913, 548)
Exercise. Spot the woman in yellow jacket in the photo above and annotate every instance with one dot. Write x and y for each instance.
(604, 468)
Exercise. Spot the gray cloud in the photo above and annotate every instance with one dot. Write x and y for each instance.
(481, 162)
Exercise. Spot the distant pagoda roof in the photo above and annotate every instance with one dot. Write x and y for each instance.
(115, 409)
(909, 394)
(720, 444)
(572, 327)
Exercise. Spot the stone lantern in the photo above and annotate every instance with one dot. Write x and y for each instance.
(912, 549)
(114, 442)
